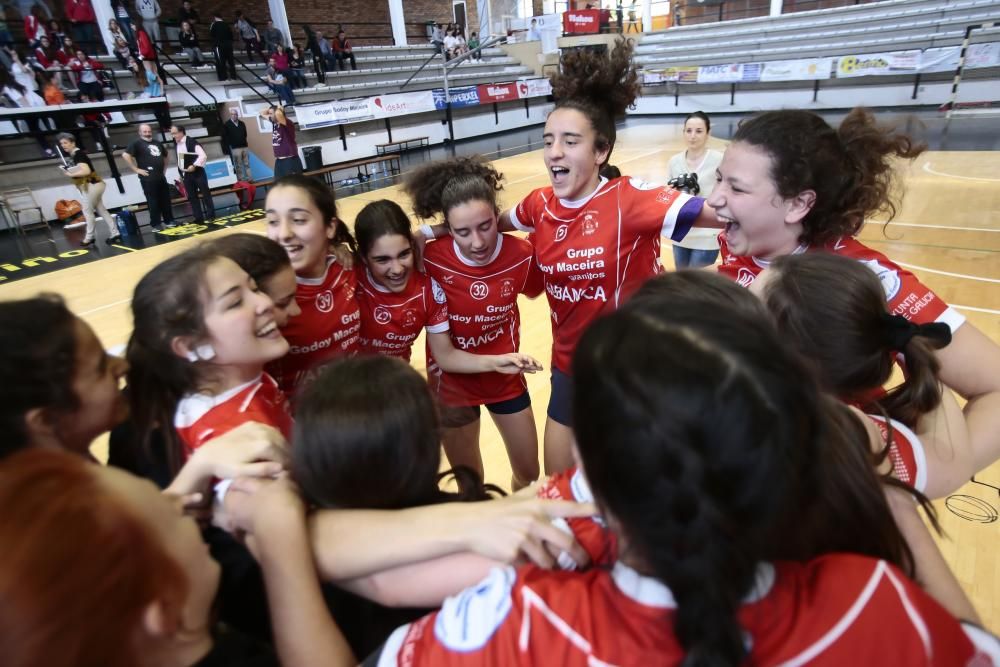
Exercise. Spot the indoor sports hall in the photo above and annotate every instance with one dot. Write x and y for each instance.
(928, 67)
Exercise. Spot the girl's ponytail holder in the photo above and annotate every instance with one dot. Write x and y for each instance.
(899, 332)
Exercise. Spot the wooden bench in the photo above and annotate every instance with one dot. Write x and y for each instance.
(403, 145)
(363, 165)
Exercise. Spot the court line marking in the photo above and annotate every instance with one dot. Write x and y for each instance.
(123, 247)
(930, 170)
(978, 310)
(896, 223)
(104, 307)
(948, 273)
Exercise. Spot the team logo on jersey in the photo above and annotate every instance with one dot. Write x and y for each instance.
(589, 225)
(324, 301)
(438, 292)
(479, 290)
(382, 315)
(507, 288)
(409, 318)
(889, 278)
(744, 277)
(561, 232)
(448, 279)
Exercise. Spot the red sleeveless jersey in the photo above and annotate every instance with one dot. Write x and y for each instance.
(483, 315)
(327, 328)
(904, 292)
(200, 417)
(390, 322)
(840, 609)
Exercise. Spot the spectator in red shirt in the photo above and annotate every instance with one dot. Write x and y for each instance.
(88, 80)
(342, 51)
(81, 18)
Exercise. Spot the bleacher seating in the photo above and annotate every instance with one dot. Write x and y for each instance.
(893, 25)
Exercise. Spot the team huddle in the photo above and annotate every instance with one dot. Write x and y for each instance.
(728, 476)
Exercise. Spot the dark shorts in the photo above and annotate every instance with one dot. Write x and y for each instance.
(456, 417)
(560, 406)
(287, 165)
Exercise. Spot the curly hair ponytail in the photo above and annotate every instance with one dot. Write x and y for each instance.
(850, 169)
(437, 187)
(601, 88)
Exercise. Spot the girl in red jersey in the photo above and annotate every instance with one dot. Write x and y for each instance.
(481, 272)
(789, 183)
(729, 551)
(203, 332)
(853, 340)
(596, 240)
(269, 266)
(302, 217)
(397, 302)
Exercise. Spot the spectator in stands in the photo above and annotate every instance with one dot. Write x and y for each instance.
(326, 52)
(344, 51)
(461, 47)
(88, 80)
(80, 14)
(234, 142)
(189, 43)
(96, 121)
(222, 46)
(286, 151)
(25, 98)
(437, 38)
(312, 46)
(23, 73)
(147, 55)
(123, 20)
(64, 120)
(149, 11)
(91, 187)
(67, 51)
(620, 16)
(280, 57)
(122, 51)
(191, 159)
(474, 44)
(188, 13)
(50, 57)
(56, 33)
(450, 44)
(633, 20)
(533, 33)
(272, 38)
(34, 27)
(148, 159)
(678, 12)
(137, 71)
(115, 32)
(278, 82)
(297, 68)
(6, 39)
(251, 38)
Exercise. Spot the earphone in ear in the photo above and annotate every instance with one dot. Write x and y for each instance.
(203, 352)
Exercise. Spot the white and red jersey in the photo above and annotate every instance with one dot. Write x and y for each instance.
(904, 292)
(596, 251)
(590, 532)
(200, 417)
(906, 452)
(390, 322)
(841, 609)
(483, 315)
(328, 326)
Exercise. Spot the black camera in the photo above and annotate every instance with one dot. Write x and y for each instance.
(687, 183)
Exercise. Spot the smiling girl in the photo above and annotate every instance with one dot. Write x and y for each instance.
(789, 183)
(302, 218)
(596, 240)
(397, 301)
(481, 272)
(203, 333)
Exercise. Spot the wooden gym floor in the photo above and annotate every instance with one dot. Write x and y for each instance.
(947, 232)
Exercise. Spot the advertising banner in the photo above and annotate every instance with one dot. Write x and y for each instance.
(534, 87)
(869, 64)
(810, 69)
(465, 96)
(720, 73)
(400, 104)
(497, 92)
